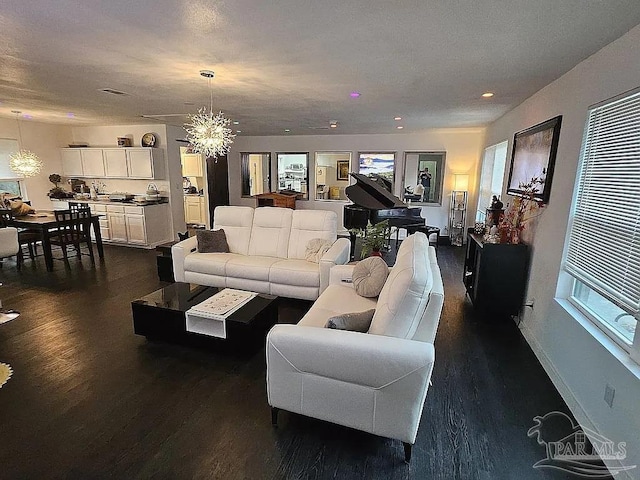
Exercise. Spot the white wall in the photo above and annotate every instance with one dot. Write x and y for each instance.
(578, 364)
(463, 147)
(45, 140)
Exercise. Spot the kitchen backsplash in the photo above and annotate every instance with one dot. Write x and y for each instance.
(122, 185)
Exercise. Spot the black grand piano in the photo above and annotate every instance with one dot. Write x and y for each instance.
(373, 203)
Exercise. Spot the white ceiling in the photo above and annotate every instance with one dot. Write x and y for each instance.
(292, 63)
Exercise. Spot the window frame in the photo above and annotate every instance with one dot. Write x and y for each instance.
(571, 280)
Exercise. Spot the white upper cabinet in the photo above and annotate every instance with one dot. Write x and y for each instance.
(92, 162)
(192, 165)
(140, 163)
(115, 163)
(72, 162)
(127, 162)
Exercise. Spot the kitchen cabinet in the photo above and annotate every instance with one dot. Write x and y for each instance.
(125, 162)
(136, 231)
(92, 163)
(115, 163)
(72, 162)
(194, 210)
(117, 224)
(126, 224)
(192, 165)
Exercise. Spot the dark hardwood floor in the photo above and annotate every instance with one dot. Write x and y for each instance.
(89, 399)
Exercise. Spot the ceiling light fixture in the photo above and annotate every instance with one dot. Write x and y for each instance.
(287, 130)
(333, 124)
(24, 162)
(397, 119)
(399, 127)
(487, 94)
(207, 133)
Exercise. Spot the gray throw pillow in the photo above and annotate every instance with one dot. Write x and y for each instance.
(369, 276)
(212, 241)
(355, 322)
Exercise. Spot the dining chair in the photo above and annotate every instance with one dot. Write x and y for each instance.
(9, 245)
(75, 206)
(73, 229)
(28, 238)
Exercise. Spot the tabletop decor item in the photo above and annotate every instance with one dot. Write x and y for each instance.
(524, 208)
(149, 140)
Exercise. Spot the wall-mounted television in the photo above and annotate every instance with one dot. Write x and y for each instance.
(534, 156)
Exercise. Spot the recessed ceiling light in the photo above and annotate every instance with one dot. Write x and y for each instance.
(287, 130)
(238, 131)
(397, 119)
(235, 122)
(487, 94)
(354, 94)
(333, 125)
(399, 127)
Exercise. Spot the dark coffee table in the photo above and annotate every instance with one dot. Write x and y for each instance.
(161, 315)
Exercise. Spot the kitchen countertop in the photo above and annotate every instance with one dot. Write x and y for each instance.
(110, 202)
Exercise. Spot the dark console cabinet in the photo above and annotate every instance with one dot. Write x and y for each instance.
(495, 275)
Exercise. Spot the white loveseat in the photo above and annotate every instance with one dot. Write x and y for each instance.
(267, 252)
(376, 381)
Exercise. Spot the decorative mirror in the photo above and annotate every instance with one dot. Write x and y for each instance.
(379, 166)
(255, 173)
(293, 173)
(332, 175)
(423, 174)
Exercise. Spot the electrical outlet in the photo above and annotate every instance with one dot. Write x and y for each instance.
(609, 394)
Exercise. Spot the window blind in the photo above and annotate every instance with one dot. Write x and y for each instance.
(604, 239)
(7, 147)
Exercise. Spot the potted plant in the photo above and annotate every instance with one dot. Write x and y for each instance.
(375, 238)
(57, 191)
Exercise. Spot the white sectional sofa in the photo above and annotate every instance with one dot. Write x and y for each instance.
(376, 381)
(267, 252)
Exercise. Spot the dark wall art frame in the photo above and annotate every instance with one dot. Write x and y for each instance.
(534, 155)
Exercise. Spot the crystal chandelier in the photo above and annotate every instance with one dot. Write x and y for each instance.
(24, 162)
(207, 133)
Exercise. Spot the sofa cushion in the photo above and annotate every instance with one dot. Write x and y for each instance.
(250, 267)
(405, 294)
(354, 322)
(209, 263)
(212, 241)
(236, 223)
(335, 300)
(369, 276)
(310, 224)
(270, 232)
(295, 272)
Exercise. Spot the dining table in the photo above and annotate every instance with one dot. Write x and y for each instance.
(44, 222)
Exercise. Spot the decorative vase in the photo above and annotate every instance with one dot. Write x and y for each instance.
(516, 235)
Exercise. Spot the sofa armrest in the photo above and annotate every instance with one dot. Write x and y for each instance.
(375, 361)
(338, 254)
(179, 252)
(341, 275)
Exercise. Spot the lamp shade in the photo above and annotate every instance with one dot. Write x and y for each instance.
(460, 182)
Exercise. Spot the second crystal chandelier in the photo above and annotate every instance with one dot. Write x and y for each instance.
(207, 133)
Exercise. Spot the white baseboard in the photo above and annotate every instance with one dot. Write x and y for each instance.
(567, 395)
